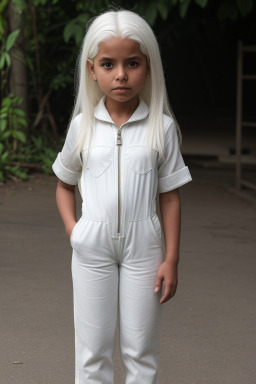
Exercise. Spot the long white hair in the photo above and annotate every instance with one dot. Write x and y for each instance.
(126, 25)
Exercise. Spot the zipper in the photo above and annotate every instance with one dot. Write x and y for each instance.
(119, 143)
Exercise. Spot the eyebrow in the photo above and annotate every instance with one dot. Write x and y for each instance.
(105, 59)
(128, 59)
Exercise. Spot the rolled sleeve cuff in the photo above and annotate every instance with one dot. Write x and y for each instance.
(173, 181)
(64, 174)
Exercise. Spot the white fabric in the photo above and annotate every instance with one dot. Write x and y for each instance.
(110, 264)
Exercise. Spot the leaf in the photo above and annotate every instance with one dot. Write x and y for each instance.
(22, 175)
(19, 112)
(163, 10)
(37, 141)
(69, 30)
(20, 5)
(7, 101)
(22, 121)
(184, 4)
(83, 18)
(47, 169)
(201, 3)
(244, 6)
(151, 13)
(2, 25)
(11, 39)
(17, 100)
(79, 35)
(3, 113)
(19, 136)
(5, 156)
(38, 2)
(3, 125)
(6, 135)
(3, 59)
(3, 5)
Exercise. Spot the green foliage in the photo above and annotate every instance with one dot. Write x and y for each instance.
(40, 150)
(244, 6)
(11, 39)
(75, 28)
(184, 4)
(14, 147)
(60, 28)
(227, 10)
(4, 55)
(10, 171)
(201, 3)
(230, 9)
(3, 4)
(12, 121)
(20, 5)
(162, 9)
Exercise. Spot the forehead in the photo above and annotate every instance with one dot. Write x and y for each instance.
(117, 46)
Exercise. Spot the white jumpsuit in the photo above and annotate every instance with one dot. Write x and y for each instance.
(118, 243)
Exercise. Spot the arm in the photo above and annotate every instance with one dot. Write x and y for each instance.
(66, 202)
(168, 270)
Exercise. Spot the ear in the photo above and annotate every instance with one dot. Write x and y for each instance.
(90, 67)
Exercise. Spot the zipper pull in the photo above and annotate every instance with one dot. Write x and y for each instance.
(118, 138)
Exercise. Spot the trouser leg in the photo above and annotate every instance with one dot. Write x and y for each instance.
(140, 309)
(95, 290)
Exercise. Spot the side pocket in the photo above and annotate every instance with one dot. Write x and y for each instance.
(74, 230)
(156, 226)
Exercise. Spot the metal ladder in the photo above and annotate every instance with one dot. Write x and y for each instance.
(239, 119)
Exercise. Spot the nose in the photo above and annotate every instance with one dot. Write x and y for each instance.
(121, 74)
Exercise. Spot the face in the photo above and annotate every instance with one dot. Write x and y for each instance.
(120, 69)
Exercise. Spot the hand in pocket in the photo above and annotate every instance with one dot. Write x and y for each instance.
(70, 228)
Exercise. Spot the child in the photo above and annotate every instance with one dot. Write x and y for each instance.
(122, 147)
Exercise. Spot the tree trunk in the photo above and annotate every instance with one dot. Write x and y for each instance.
(18, 72)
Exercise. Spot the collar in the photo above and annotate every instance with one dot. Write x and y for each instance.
(101, 112)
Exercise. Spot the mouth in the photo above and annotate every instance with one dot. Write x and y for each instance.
(120, 88)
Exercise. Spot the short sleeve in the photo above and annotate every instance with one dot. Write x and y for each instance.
(172, 173)
(68, 165)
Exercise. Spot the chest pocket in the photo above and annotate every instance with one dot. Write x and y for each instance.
(138, 159)
(100, 158)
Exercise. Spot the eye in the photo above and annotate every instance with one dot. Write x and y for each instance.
(133, 64)
(107, 65)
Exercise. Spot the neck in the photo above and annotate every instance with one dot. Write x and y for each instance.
(120, 112)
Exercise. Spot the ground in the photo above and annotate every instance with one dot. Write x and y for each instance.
(209, 327)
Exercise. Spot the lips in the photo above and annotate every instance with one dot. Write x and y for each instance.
(121, 88)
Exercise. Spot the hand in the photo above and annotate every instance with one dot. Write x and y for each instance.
(70, 228)
(168, 273)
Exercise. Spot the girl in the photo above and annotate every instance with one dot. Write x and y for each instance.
(122, 148)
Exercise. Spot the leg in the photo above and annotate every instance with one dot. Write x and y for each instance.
(140, 310)
(95, 289)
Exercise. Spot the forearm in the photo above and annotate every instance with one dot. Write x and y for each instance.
(66, 202)
(171, 219)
